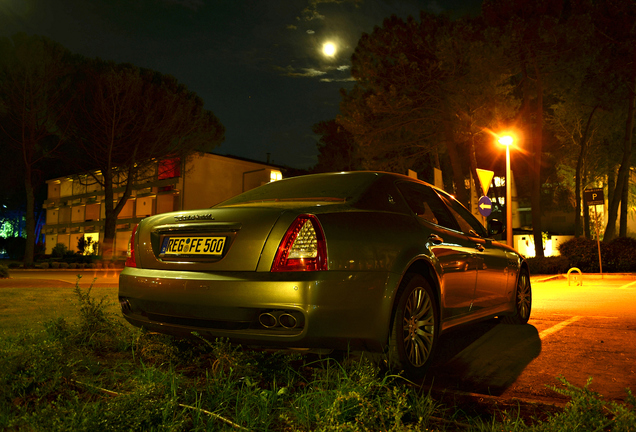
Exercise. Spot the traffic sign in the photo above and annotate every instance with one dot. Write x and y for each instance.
(485, 177)
(594, 196)
(484, 206)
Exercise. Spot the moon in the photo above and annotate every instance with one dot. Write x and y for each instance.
(329, 49)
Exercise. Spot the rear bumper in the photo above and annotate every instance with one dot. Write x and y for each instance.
(328, 309)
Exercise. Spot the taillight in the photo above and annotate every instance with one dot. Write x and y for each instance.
(303, 247)
(130, 260)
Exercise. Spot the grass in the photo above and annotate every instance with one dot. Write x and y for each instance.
(28, 308)
(84, 370)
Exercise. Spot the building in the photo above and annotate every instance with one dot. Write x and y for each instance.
(74, 205)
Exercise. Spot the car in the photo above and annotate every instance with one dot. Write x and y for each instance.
(370, 261)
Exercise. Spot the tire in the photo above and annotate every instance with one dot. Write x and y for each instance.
(523, 300)
(415, 327)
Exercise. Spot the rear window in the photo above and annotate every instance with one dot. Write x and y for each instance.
(341, 187)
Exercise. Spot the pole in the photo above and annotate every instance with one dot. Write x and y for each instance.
(508, 200)
(598, 241)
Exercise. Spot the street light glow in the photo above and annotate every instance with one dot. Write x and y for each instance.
(506, 140)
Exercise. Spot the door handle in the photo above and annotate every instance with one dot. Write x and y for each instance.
(435, 239)
(480, 247)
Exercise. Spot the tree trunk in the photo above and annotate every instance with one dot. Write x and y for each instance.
(624, 208)
(586, 213)
(536, 172)
(623, 171)
(578, 229)
(110, 222)
(458, 175)
(29, 250)
(473, 168)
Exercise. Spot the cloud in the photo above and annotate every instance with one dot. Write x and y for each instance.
(303, 73)
(328, 80)
(310, 32)
(343, 67)
(292, 27)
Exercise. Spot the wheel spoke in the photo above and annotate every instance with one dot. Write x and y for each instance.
(419, 325)
(523, 296)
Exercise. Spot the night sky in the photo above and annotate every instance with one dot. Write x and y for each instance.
(258, 65)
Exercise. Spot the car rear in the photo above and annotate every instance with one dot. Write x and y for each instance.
(256, 272)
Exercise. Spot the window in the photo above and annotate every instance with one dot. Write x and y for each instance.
(169, 168)
(426, 204)
(468, 223)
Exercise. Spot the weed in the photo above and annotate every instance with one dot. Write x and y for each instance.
(95, 374)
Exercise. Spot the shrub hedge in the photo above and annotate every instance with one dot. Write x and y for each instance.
(618, 256)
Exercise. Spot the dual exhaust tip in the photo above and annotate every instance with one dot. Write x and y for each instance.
(278, 318)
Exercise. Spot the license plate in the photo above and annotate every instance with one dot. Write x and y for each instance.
(193, 246)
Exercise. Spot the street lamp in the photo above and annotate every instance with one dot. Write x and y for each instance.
(507, 141)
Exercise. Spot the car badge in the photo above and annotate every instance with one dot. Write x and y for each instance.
(182, 218)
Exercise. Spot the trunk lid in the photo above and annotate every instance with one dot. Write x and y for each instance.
(217, 239)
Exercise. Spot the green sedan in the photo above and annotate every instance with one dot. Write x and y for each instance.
(357, 260)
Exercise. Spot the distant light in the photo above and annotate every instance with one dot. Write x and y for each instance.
(506, 140)
(329, 49)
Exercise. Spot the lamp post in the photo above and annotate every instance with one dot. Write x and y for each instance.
(507, 141)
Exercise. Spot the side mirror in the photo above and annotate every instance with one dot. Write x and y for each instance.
(495, 227)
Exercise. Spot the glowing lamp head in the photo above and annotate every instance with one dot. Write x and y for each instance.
(506, 140)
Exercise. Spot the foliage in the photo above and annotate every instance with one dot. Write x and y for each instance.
(59, 250)
(13, 246)
(548, 265)
(583, 253)
(86, 245)
(336, 148)
(126, 119)
(587, 411)
(99, 375)
(34, 79)
(4, 273)
(620, 255)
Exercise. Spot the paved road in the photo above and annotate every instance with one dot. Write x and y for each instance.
(575, 331)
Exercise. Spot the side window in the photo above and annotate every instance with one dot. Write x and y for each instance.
(467, 222)
(426, 204)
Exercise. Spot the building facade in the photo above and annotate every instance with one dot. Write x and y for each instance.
(75, 204)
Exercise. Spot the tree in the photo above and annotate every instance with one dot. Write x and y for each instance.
(336, 150)
(396, 94)
(398, 111)
(535, 37)
(126, 120)
(614, 21)
(34, 79)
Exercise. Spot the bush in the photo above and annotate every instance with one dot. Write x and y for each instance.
(13, 246)
(582, 253)
(4, 273)
(59, 250)
(620, 255)
(548, 265)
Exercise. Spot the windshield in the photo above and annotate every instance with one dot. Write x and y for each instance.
(338, 187)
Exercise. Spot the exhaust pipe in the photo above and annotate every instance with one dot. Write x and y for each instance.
(287, 320)
(267, 320)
